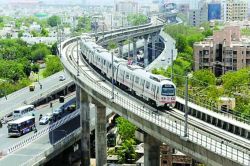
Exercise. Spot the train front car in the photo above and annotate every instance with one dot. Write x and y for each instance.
(167, 93)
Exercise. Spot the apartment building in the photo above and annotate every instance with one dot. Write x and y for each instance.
(127, 7)
(225, 51)
(236, 10)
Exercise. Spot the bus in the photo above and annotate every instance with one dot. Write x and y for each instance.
(21, 111)
(21, 126)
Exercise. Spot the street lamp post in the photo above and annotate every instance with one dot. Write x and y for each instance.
(172, 65)
(112, 63)
(186, 108)
(77, 53)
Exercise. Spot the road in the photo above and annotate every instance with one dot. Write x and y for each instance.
(6, 142)
(17, 99)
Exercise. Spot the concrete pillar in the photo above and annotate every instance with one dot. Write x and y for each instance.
(85, 126)
(66, 90)
(145, 50)
(100, 135)
(153, 46)
(78, 89)
(120, 49)
(134, 49)
(151, 150)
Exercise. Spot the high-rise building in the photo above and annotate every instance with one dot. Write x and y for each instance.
(236, 10)
(225, 51)
(200, 15)
(126, 7)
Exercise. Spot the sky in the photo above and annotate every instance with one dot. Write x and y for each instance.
(89, 2)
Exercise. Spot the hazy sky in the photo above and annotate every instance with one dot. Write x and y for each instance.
(89, 2)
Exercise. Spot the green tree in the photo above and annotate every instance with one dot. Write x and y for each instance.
(233, 81)
(54, 49)
(40, 53)
(54, 21)
(126, 153)
(126, 129)
(203, 78)
(84, 24)
(34, 33)
(137, 19)
(112, 45)
(181, 43)
(44, 32)
(53, 65)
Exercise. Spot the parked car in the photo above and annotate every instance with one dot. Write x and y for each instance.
(62, 78)
(44, 120)
(71, 108)
(49, 115)
(57, 111)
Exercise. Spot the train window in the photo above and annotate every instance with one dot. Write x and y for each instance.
(236, 130)
(142, 82)
(230, 129)
(243, 132)
(147, 84)
(137, 80)
(219, 123)
(208, 118)
(214, 121)
(193, 112)
(203, 116)
(224, 126)
(198, 114)
(127, 76)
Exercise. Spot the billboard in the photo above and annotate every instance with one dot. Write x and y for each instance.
(214, 11)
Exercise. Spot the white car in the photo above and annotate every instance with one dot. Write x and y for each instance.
(49, 115)
(62, 78)
(44, 120)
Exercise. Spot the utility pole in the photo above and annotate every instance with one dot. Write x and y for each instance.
(112, 63)
(186, 108)
(172, 65)
(128, 47)
(77, 53)
(111, 25)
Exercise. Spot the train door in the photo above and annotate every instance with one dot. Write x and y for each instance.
(153, 89)
(132, 81)
(157, 92)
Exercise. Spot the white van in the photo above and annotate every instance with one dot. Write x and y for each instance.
(21, 111)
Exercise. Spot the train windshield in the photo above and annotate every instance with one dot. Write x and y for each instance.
(168, 90)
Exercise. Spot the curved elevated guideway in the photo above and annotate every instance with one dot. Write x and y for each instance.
(205, 143)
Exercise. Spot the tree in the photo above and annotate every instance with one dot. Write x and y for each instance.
(112, 45)
(44, 32)
(54, 49)
(54, 21)
(53, 65)
(181, 43)
(137, 19)
(126, 129)
(203, 78)
(233, 80)
(40, 53)
(84, 24)
(126, 153)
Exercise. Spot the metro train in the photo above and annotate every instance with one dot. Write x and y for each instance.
(157, 90)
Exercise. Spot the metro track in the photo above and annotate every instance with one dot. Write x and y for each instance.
(173, 114)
